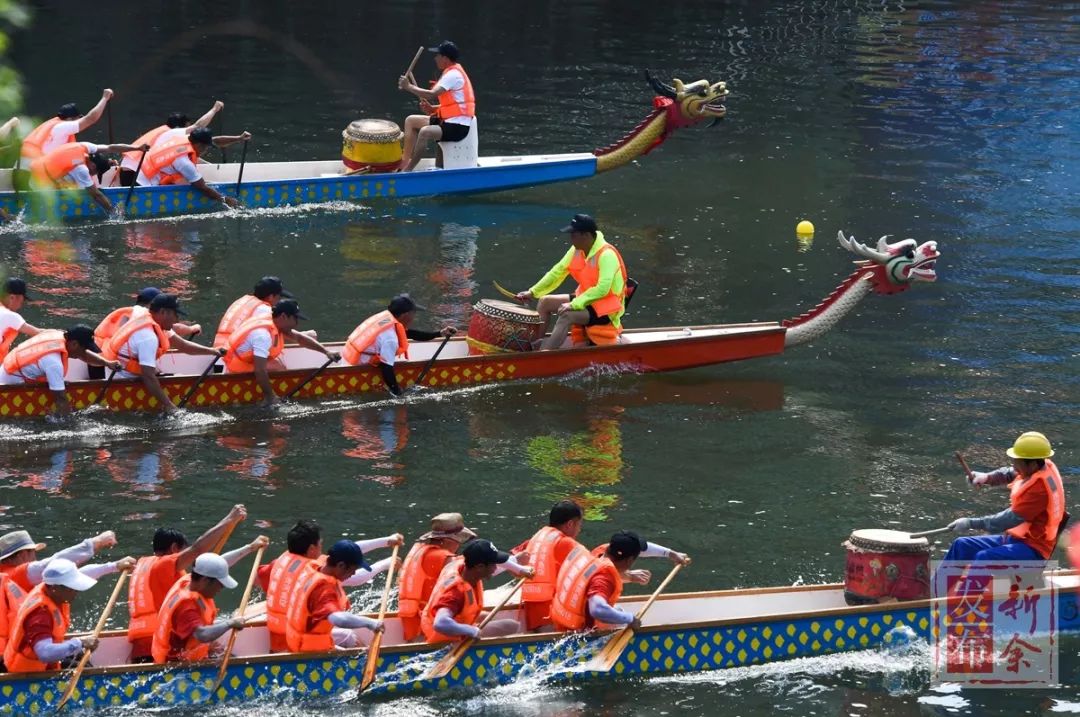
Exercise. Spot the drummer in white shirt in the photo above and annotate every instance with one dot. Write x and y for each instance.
(11, 322)
(450, 106)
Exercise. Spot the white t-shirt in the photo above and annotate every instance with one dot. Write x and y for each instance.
(181, 165)
(49, 365)
(80, 174)
(454, 83)
(258, 342)
(142, 345)
(58, 135)
(9, 320)
(385, 347)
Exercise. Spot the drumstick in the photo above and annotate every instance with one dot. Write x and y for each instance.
(416, 58)
(925, 533)
(963, 463)
(506, 292)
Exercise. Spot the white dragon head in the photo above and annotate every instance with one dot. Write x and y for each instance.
(895, 266)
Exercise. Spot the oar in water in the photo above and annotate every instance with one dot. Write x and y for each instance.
(310, 377)
(239, 611)
(85, 659)
(430, 363)
(925, 533)
(104, 389)
(376, 642)
(964, 465)
(240, 174)
(604, 660)
(131, 189)
(447, 663)
(198, 382)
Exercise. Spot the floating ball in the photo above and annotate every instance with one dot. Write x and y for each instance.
(804, 227)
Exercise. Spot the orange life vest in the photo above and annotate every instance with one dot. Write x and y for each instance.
(448, 107)
(541, 549)
(238, 312)
(586, 273)
(1042, 532)
(363, 337)
(285, 573)
(32, 350)
(141, 605)
(26, 660)
(569, 607)
(11, 597)
(300, 636)
(33, 145)
(112, 348)
(193, 650)
(165, 153)
(474, 600)
(116, 318)
(147, 138)
(415, 585)
(53, 168)
(236, 362)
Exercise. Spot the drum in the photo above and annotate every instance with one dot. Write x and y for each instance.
(499, 326)
(885, 565)
(372, 143)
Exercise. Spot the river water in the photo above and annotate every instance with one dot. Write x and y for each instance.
(949, 121)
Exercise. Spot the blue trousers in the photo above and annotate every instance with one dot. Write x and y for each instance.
(982, 548)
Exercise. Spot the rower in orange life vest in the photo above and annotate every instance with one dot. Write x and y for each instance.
(304, 554)
(268, 291)
(257, 344)
(173, 160)
(11, 322)
(56, 131)
(78, 165)
(177, 120)
(118, 317)
(423, 565)
(44, 359)
(547, 551)
(594, 313)
(452, 119)
(1029, 527)
(143, 340)
(382, 338)
(186, 623)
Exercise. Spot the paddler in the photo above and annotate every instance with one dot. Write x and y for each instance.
(447, 121)
(173, 161)
(58, 130)
(594, 314)
(1028, 529)
(143, 340)
(267, 291)
(423, 565)
(11, 322)
(78, 165)
(380, 339)
(548, 549)
(258, 343)
(177, 120)
(304, 552)
(187, 620)
(118, 317)
(44, 359)
(19, 560)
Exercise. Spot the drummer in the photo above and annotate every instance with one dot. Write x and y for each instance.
(448, 121)
(381, 338)
(1028, 529)
(595, 311)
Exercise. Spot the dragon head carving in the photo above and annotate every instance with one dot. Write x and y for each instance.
(688, 104)
(895, 266)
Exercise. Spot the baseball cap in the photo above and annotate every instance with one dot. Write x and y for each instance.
(212, 565)
(64, 572)
(581, 223)
(169, 302)
(288, 307)
(449, 525)
(268, 286)
(202, 135)
(483, 552)
(446, 49)
(69, 111)
(145, 296)
(403, 304)
(11, 543)
(626, 544)
(101, 163)
(15, 286)
(84, 335)
(348, 552)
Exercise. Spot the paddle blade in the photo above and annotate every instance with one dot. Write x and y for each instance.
(372, 662)
(604, 660)
(446, 664)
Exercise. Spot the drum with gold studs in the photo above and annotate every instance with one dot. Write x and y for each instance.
(374, 144)
(498, 326)
(886, 565)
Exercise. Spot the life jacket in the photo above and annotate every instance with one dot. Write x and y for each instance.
(236, 362)
(193, 650)
(7, 337)
(285, 572)
(25, 660)
(11, 598)
(147, 138)
(541, 549)
(33, 145)
(586, 273)
(112, 348)
(415, 585)
(32, 350)
(448, 107)
(363, 337)
(570, 607)
(238, 312)
(165, 153)
(300, 635)
(53, 168)
(1042, 532)
(116, 318)
(142, 607)
(474, 600)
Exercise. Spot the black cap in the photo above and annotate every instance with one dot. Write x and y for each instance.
(447, 49)
(201, 136)
(626, 544)
(581, 223)
(268, 286)
(68, 112)
(348, 552)
(145, 296)
(403, 304)
(101, 163)
(288, 307)
(483, 552)
(169, 302)
(177, 119)
(84, 335)
(15, 286)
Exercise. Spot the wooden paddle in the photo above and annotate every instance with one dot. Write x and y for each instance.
(239, 611)
(964, 465)
(131, 189)
(430, 363)
(376, 642)
(446, 664)
(104, 389)
(310, 377)
(925, 533)
(606, 658)
(198, 382)
(85, 659)
(240, 174)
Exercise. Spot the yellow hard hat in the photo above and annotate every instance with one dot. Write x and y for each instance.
(1030, 446)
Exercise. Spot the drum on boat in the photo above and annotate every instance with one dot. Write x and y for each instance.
(499, 326)
(372, 143)
(885, 565)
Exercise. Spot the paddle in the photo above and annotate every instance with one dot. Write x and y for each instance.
(376, 642)
(85, 659)
(925, 533)
(964, 465)
(240, 175)
(446, 664)
(430, 363)
(108, 116)
(104, 389)
(131, 189)
(198, 382)
(606, 658)
(240, 611)
(311, 377)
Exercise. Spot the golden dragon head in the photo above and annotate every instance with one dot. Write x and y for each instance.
(693, 102)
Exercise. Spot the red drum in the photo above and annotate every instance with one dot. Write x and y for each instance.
(500, 326)
(885, 565)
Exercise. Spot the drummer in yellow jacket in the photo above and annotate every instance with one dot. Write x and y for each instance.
(380, 339)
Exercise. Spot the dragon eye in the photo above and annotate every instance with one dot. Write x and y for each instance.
(703, 92)
(910, 254)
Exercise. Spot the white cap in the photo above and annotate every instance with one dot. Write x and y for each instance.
(64, 572)
(212, 565)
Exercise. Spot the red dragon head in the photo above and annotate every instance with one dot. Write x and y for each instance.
(895, 266)
(687, 105)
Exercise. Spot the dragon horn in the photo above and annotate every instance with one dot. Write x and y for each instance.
(883, 243)
(861, 249)
(660, 87)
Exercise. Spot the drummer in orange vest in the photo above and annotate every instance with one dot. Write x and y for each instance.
(257, 344)
(382, 338)
(173, 161)
(44, 359)
(547, 551)
(78, 165)
(59, 130)
(451, 119)
(143, 340)
(594, 313)
(11, 322)
(423, 565)
(186, 622)
(177, 120)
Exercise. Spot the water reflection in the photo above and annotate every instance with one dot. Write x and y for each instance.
(52, 478)
(142, 469)
(161, 255)
(378, 435)
(56, 269)
(452, 273)
(254, 453)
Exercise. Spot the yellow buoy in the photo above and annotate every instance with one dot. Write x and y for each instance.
(804, 227)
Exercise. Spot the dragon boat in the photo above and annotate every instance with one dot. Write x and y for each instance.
(277, 184)
(887, 269)
(683, 632)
